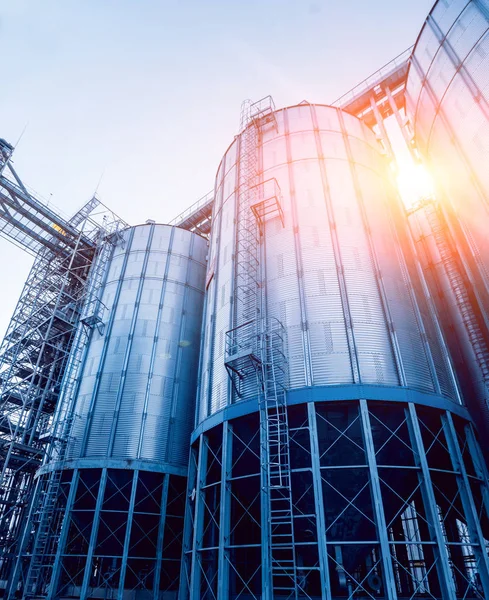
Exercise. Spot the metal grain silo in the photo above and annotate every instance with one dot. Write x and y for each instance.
(447, 99)
(455, 298)
(330, 453)
(448, 102)
(121, 483)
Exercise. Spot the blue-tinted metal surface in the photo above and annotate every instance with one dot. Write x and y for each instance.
(118, 514)
(380, 506)
(384, 499)
(373, 486)
(335, 393)
(334, 275)
(135, 400)
(447, 100)
(448, 103)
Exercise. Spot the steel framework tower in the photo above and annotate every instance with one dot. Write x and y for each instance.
(35, 352)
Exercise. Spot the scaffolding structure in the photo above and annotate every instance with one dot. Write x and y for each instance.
(35, 352)
(37, 547)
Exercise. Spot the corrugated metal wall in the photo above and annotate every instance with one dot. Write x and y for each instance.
(136, 398)
(448, 101)
(334, 274)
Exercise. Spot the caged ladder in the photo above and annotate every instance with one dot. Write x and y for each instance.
(275, 459)
(255, 350)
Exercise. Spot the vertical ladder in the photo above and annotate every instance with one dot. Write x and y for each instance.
(275, 457)
(247, 234)
(44, 541)
(255, 346)
(442, 237)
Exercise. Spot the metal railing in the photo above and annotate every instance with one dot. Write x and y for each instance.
(374, 79)
(194, 208)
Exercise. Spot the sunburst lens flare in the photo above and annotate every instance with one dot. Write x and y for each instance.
(414, 183)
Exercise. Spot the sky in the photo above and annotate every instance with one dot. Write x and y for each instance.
(139, 99)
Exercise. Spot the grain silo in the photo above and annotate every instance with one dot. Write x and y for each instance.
(331, 451)
(447, 100)
(447, 96)
(111, 511)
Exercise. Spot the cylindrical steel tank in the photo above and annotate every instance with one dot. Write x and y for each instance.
(373, 409)
(334, 275)
(140, 373)
(457, 306)
(123, 476)
(447, 100)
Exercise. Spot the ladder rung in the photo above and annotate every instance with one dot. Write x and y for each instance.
(280, 588)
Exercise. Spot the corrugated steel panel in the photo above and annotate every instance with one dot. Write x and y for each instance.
(448, 101)
(301, 267)
(129, 405)
(453, 129)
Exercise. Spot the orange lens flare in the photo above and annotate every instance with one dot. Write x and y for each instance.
(415, 183)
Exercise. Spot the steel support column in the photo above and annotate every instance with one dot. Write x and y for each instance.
(225, 512)
(447, 585)
(16, 575)
(188, 529)
(266, 573)
(383, 131)
(470, 510)
(198, 521)
(127, 537)
(161, 536)
(479, 465)
(319, 504)
(408, 136)
(93, 535)
(53, 586)
(388, 571)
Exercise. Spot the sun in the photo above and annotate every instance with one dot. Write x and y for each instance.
(414, 182)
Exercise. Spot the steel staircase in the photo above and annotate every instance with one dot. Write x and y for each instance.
(46, 521)
(442, 237)
(45, 542)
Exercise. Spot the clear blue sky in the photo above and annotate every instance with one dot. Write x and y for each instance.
(147, 92)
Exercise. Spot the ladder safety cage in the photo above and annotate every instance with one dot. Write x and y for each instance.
(275, 458)
(243, 354)
(256, 348)
(270, 206)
